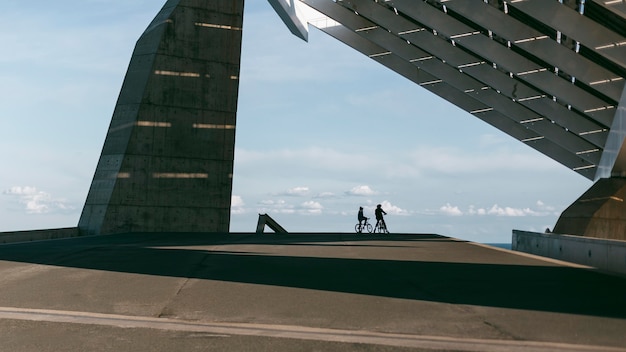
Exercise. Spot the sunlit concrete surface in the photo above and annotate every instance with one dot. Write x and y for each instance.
(305, 292)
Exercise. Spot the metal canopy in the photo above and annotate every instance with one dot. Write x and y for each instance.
(541, 71)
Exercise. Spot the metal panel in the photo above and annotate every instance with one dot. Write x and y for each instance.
(541, 104)
(537, 76)
(540, 125)
(566, 92)
(597, 38)
(526, 38)
(481, 72)
(617, 7)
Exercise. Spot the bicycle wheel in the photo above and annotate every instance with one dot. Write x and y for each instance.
(357, 228)
(369, 227)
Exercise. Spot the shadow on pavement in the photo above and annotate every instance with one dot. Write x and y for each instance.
(541, 288)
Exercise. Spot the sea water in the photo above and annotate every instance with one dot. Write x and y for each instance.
(500, 245)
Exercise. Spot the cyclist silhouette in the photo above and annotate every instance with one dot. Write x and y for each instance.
(360, 216)
(380, 222)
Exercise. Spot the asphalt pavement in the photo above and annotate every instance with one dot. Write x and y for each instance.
(300, 292)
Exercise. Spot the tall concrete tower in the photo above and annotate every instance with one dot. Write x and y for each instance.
(167, 161)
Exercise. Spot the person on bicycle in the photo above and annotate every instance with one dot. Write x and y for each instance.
(360, 216)
(379, 217)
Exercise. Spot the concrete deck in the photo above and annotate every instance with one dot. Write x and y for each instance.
(299, 292)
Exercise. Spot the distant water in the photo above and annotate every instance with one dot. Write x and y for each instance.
(500, 245)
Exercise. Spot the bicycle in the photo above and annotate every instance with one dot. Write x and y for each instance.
(381, 227)
(364, 226)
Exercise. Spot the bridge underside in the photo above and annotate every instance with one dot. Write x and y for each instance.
(549, 73)
(538, 70)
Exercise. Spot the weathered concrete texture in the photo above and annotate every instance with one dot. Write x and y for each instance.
(167, 160)
(323, 292)
(38, 235)
(600, 212)
(606, 255)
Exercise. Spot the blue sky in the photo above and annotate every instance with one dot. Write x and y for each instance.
(321, 130)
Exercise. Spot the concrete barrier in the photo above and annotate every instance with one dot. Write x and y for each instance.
(606, 255)
(38, 235)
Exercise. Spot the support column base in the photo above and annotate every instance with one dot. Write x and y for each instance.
(600, 212)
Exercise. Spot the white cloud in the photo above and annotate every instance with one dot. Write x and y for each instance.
(514, 212)
(505, 211)
(312, 207)
(315, 163)
(237, 201)
(273, 203)
(450, 160)
(275, 206)
(543, 207)
(362, 190)
(392, 209)
(490, 140)
(297, 191)
(21, 191)
(281, 206)
(37, 202)
(325, 195)
(476, 211)
(508, 211)
(237, 205)
(496, 210)
(450, 210)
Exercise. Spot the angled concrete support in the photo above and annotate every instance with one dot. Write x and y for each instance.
(265, 219)
(600, 212)
(167, 161)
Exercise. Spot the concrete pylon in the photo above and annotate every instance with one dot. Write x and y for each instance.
(600, 212)
(167, 161)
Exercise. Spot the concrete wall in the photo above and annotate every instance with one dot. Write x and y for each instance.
(167, 161)
(606, 255)
(38, 235)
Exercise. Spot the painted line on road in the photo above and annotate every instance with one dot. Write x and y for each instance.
(295, 332)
